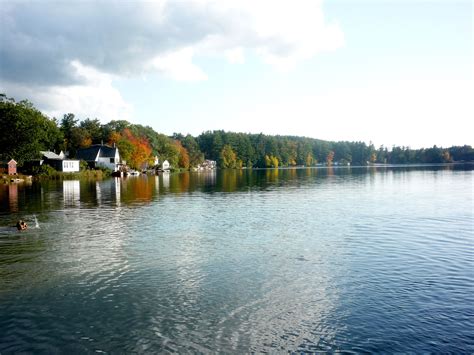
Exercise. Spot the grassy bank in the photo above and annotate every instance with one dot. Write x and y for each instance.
(7, 179)
(48, 173)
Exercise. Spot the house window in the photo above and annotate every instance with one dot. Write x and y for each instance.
(112, 160)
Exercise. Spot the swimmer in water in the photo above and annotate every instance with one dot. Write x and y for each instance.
(21, 225)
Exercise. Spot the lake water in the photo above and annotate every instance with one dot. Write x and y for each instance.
(348, 259)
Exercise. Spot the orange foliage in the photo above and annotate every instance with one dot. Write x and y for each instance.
(142, 149)
(114, 137)
(139, 149)
(183, 161)
(330, 157)
(373, 157)
(86, 142)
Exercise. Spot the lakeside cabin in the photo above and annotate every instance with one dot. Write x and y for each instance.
(59, 162)
(9, 166)
(12, 167)
(99, 155)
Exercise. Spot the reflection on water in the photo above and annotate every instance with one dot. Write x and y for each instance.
(71, 192)
(330, 170)
(300, 260)
(143, 189)
(117, 189)
(98, 193)
(157, 185)
(272, 174)
(165, 178)
(13, 197)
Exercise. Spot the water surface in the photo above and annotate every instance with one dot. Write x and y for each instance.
(350, 259)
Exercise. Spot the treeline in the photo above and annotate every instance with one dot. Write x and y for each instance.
(26, 131)
(259, 150)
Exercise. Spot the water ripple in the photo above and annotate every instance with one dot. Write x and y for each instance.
(288, 261)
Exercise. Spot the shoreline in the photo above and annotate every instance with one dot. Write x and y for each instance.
(100, 174)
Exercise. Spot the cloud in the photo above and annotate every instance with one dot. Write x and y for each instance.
(44, 44)
(95, 99)
(178, 65)
(39, 42)
(235, 55)
(281, 32)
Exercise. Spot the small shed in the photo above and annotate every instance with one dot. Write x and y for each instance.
(9, 166)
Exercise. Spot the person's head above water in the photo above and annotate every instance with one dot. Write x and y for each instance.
(21, 225)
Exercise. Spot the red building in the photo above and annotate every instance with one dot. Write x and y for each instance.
(10, 167)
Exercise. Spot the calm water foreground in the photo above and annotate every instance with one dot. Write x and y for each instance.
(350, 259)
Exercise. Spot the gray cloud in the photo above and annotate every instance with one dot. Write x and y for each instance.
(38, 42)
(66, 55)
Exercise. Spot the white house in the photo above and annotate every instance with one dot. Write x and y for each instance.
(99, 155)
(59, 162)
(70, 166)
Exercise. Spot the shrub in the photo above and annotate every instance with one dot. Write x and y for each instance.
(45, 171)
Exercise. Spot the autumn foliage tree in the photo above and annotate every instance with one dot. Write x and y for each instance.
(183, 160)
(86, 142)
(136, 151)
(330, 157)
(141, 154)
(228, 158)
(373, 157)
(271, 161)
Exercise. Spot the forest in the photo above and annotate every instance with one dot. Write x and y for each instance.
(26, 131)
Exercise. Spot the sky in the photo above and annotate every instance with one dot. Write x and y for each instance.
(383, 71)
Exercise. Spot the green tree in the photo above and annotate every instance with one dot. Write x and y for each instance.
(93, 129)
(196, 157)
(74, 137)
(25, 131)
(68, 122)
(228, 158)
(434, 155)
(462, 153)
(382, 155)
